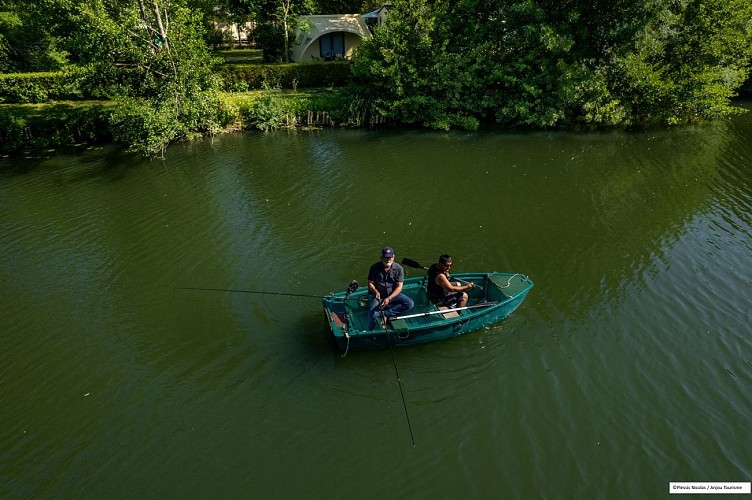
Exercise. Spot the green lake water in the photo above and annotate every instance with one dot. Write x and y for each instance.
(628, 366)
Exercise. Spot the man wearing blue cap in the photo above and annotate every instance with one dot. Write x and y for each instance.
(385, 284)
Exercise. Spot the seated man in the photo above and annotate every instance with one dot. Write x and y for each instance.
(385, 284)
(440, 290)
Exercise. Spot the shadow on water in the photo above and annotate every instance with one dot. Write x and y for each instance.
(75, 164)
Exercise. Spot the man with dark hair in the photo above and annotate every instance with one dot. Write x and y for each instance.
(441, 291)
(385, 284)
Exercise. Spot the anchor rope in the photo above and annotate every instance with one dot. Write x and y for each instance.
(347, 335)
(509, 282)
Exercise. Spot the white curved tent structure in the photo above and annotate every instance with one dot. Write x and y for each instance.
(328, 38)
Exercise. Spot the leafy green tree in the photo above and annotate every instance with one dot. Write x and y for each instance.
(554, 63)
(160, 69)
(228, 12)
(277, 22)
(29, 38)
(9, 21)
(398, 66)
(688, 62)
(346, 6)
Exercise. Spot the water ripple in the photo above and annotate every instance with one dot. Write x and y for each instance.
(633, 344)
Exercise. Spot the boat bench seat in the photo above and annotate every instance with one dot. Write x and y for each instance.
(451, 313)
(402, 324)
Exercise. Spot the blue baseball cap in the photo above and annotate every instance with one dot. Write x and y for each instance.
(387, 252)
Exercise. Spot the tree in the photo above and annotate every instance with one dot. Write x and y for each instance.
(9, 21)
(554, 63)
(694, 55)
(160, 71)
(397, 67)
(277, 23)
(346, 6)
(216, 13)
(30, 35)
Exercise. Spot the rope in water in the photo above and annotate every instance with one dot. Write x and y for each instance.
(347, 335)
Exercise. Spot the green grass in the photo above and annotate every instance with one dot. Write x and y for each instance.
(307, 93)
(232, 97)
(44, 106)
(240, 56)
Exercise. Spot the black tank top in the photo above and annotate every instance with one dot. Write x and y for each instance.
(435, 292)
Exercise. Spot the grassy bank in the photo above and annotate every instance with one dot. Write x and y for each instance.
(35, 111)
(267, 110)
(50, 125)
(57, 124)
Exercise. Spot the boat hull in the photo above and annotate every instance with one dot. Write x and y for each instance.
(497, 296)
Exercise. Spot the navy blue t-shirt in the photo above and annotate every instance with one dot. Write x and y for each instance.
(385, 282)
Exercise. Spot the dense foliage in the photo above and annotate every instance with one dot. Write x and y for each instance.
(28, 41)
(160, 68)
(554, 63)
(438, 63)
(149, 55)
(25, 126)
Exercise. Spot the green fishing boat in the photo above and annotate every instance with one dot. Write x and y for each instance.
(494, 297)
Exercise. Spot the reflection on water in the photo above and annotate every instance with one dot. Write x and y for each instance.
(627, 367)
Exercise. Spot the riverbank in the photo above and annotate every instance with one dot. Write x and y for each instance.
(27, 127)
(51, 125)
(66, 123)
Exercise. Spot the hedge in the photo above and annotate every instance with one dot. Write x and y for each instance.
(243, 77)
(84, 83)
(22, 88)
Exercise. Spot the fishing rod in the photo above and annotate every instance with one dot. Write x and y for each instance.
(350, 289)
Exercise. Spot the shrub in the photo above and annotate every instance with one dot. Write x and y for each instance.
(274, 108)
(268, 112)
(148, 126)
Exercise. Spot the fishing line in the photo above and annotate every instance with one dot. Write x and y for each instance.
(260, 293)
(247, 291)
(350, 289)
(399, 382)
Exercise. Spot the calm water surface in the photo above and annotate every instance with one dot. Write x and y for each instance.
(628, 366)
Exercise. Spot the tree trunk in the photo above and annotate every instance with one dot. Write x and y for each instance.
(160, 25)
